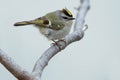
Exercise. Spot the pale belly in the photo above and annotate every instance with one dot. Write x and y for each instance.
(55, 34)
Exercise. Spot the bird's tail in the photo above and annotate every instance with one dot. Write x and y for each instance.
(40, 22)
(23, 23)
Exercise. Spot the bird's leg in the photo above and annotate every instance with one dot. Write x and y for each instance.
(59, 44)
(56, 43)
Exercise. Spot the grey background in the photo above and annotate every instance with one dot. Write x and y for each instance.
(95, 57)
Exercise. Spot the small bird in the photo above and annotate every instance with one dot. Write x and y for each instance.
(54, 25)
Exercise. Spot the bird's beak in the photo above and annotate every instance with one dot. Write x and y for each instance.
(71, 18)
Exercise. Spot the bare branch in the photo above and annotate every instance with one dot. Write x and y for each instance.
(44, 59)
(14, 68)
(82, 10)
(75, 36)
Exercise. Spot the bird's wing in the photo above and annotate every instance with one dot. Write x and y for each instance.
(52, 24)
(57, 25)
(49, 23)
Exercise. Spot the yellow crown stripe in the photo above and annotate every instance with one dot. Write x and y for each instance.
(68, 11)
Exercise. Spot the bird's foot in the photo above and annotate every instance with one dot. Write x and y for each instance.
(60, 43)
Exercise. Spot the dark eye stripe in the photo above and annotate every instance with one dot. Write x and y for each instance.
(67, 12)
(64, 17)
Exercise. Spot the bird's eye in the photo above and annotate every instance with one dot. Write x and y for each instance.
(65, 17)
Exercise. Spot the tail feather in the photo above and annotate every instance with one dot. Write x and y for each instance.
(22, 23)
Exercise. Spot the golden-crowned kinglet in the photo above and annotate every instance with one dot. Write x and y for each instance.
(54, 25)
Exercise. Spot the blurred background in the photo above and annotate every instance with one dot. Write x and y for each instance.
(95, 57)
